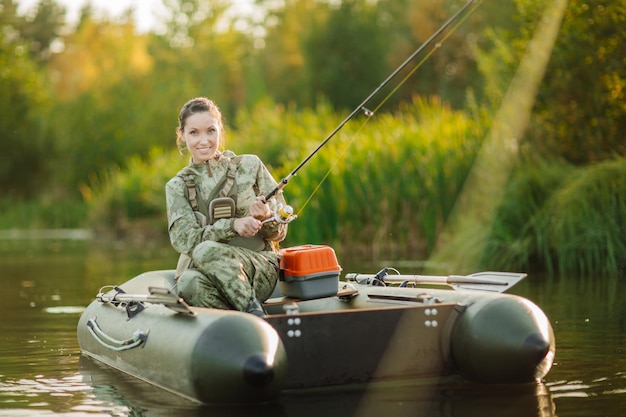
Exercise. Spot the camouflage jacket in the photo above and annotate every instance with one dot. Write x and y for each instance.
(252, 179)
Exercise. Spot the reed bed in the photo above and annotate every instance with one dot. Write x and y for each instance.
(130, 203)
(44, 213)
(384, 187)
(564, 220)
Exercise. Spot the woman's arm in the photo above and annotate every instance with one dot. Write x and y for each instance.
(184, 227)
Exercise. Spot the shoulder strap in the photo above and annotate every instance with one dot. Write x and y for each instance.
(230, 175)
(192, 195)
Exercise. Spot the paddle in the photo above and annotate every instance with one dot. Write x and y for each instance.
(480, 281)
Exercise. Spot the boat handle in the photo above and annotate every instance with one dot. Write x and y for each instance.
(138, 338)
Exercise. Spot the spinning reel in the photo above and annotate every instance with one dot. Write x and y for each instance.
(282, 214)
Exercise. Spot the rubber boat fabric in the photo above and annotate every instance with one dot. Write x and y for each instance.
(314, 330)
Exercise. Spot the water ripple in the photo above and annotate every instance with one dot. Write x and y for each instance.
(40, 397)
(580, 389)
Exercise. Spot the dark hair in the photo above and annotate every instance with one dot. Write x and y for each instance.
(193, 106)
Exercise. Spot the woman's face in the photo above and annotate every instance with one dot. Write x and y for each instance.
(202, 136)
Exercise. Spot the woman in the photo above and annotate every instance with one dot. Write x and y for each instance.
(218, 219)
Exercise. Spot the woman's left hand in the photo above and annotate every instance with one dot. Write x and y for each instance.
(259, 209)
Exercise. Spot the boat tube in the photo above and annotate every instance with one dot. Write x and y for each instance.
(363, 333)
(206, 355)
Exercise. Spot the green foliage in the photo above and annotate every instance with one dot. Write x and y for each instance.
(43, 213)
(516, 230)
(397, 174)
(585, 222)
(38, 29)
(580, 112)
(280, 134)
(353, 39)
(94, 137)
(586, 123)
(116, 91)
(562, 219)
(112, 95)
(281, 59)
(375, 178)
(132, 194)
(25, 143)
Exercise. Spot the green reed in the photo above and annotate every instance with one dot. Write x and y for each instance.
(381, 187)
(391, 182)
(132, 201)
(563, 220)
(42, 213)
(384, 187)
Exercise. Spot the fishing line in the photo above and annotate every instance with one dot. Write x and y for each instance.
(369, 113)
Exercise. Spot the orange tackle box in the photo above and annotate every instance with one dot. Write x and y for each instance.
(309, 271)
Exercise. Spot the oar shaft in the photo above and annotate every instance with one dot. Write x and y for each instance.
(429, 279)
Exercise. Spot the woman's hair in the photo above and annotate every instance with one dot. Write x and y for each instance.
(193, 106)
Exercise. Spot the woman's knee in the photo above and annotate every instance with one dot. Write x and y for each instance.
(208, 251)
(197, 289)
(189, 282)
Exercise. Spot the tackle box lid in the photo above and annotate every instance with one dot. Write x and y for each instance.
(308, 260)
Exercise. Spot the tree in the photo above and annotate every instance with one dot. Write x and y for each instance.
(345, 56)
(42, 28)
(579, 112)
(39, 29)
(204, 52)
(97, 55)
(102, 87)
(281, 55)
(25, 142)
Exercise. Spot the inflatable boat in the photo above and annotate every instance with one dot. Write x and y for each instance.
(320, 331)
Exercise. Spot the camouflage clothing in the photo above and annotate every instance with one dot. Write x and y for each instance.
(222, 275)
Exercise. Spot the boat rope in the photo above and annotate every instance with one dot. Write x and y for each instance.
(109, 342)
(453, 22)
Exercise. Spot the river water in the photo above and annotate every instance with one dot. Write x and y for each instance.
(47, 282)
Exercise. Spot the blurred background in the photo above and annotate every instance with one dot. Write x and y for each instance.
(90, 92)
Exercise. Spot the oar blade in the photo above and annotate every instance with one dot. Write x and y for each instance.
(491, 281)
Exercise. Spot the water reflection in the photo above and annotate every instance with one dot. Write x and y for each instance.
(46, 284)
(112, 388)
(40, 392)
(399, 398)
(611, 385)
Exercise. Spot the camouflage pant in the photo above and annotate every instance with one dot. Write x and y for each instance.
(227, 277)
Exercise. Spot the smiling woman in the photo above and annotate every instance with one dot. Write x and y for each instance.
(200, 130)
(219, 221)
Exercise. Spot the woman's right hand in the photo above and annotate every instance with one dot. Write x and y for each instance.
(247, 226)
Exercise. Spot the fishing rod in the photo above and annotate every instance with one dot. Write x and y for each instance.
(361, 107)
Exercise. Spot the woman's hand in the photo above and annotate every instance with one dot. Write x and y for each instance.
(247, 226)
(260, 210)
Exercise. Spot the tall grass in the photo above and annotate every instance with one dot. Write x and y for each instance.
(385, 186)
(382, 187)
(585, 222)
(44, 213)
(563, 220)
(391, 184)
(131, 203)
